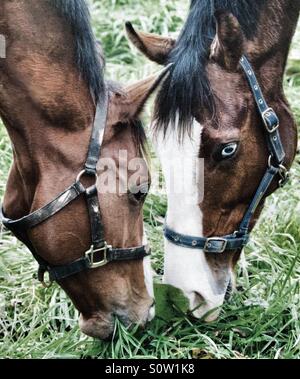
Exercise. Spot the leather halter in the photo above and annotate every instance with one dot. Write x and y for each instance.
(100, 253)
(240, 238)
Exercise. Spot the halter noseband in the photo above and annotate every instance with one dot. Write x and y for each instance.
(240, 238)
(100, 253)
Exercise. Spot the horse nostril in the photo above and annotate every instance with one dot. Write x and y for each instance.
(199, 299)
(196, 301)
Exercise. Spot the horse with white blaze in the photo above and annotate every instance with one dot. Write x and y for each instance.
(223, 102)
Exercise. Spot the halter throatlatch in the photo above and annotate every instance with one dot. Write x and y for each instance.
(100, 253)
(240, 238)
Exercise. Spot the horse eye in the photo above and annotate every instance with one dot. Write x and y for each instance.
(229, 150)
(226, 151)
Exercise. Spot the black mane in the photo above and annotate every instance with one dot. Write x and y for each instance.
(187, 86)
(77, 15)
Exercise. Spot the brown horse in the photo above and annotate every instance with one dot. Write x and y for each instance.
(207, 101)
(49, 82)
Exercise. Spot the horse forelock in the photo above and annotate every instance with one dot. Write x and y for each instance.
(187, 87)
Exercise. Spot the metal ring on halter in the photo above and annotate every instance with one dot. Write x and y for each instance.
(270, 161)
(283, 169)
(41, 278)
(84, 172)
(280, 167)
(47, 285)
(284, 174)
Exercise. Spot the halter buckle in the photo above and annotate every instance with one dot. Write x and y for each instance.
(265, 116)
(208, 247)
(91, 253)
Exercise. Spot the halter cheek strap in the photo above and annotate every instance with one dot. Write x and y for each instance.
(100, 253)
(240, 238)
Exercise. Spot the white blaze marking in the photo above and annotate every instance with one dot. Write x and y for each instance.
(186, 268)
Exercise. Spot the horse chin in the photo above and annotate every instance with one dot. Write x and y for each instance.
(98, 326)
(101, 325)
(203, 309)
(208, 310)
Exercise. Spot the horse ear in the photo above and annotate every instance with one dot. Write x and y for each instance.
(134, 97)
(228, 45)
(155, 47)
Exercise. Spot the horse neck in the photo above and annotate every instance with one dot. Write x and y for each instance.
(269, 49)
(44, 104)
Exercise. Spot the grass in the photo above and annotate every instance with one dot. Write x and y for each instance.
(262, 318)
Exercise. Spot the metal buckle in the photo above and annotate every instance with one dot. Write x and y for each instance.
(207, 246)
(90, 255)
(264, 114)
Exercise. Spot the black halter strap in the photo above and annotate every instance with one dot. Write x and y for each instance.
(100, 253)
(240, 238)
